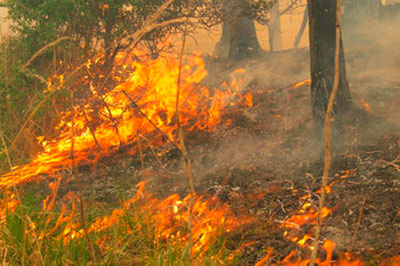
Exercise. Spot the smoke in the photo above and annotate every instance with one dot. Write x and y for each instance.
(277, 133)
(373, 63)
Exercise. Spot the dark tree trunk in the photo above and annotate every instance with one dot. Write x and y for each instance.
(322, 26)
(239, 39)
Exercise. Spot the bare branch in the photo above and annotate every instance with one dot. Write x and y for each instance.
(138, 35)
(42, 50)
(328, 131)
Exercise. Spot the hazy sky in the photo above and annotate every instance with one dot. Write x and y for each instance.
(206, 40)
(3, 24)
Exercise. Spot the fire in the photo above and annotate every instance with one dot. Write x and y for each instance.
(142, 103)
(169, 218)
(302, 83)
(308, 214)
(109, 121)
(172, 213)
(366, 105)
(248, 99)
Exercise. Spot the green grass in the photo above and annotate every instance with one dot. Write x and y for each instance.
(27, 238)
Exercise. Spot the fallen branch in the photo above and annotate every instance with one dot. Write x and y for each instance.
(30, 117)
(392, 163)
(40, 104)
(114, 122)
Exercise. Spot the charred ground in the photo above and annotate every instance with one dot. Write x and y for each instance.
(268, 158)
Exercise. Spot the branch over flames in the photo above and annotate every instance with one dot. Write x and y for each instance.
(107, 121)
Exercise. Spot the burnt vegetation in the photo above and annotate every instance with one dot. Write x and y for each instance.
(106, 116)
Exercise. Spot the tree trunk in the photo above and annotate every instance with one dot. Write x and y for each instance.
(322, 27)
(239, 39)
(274, 28)
(301, 30)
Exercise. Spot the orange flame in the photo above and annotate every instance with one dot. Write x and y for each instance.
(143, 102)
(103, 9)
(366, 105)
(169, 217)
(328, 246)
(265, 258)
(309, 215)
(302, 83)
(248, 99)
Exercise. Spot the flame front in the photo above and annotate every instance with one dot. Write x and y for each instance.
(170, 217)
(142, 104)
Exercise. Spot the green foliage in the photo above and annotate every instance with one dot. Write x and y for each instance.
(90, 24)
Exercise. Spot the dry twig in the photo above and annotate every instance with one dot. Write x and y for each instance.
(353, 239)
(392, 163)
(6, 150)
(42, 50)
(29, 119)
(140, 150)
(150, 23)
(182, 140)
(134, 104)
(80, 189)
(328, 132)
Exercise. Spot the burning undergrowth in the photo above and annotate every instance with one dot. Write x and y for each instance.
(259, 162)
(142, 104)
(266, 164)
(132, 110)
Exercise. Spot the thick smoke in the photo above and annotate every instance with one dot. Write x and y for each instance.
(278, 130)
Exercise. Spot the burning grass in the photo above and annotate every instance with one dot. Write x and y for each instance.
(137, 109)
(142, 103)
(109, 122)
(144, 231)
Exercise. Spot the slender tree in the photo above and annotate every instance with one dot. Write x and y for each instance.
(301, 30)
(274, 28)
(322, 26)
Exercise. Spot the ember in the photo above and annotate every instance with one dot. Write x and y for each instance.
(366, 105)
